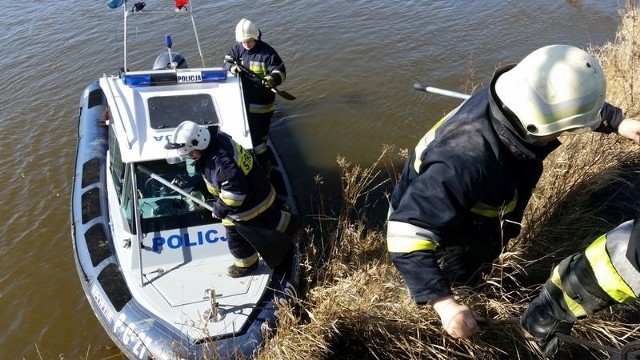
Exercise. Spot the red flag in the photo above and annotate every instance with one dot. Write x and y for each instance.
(181, 3)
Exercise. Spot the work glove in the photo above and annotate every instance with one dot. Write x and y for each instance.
(458, 320)
(235, 69)
(268, 81)
(539, 320)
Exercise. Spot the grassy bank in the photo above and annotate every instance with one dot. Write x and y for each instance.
(356, 302)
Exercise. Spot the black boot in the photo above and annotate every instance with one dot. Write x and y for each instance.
(543, 323)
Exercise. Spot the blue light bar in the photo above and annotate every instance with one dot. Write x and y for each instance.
(172, 78)
(137, 80)
(214, 75)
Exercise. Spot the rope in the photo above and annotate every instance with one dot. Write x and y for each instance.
(588, 343)
(568, 338)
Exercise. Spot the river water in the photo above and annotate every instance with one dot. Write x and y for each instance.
(351, 65)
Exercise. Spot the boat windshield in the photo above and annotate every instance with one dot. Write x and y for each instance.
(162, 208)
(170, 111)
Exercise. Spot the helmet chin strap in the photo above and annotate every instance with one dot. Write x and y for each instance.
(542, 140)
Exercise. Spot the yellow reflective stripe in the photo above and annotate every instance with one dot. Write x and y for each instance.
(259, 149)
(576, 309)
(423, 143)
(246, 262)
(258, 67)
(232, 199)
(493, 213)
(285, 219)
(227, 222)
(606, 274)
(617, 246)
(396, 244)
(280, 74)
(490, 213)
(256, 210)
(212, 189)
(428, 138)
(403, 238)
(243, 158)
(262, 109)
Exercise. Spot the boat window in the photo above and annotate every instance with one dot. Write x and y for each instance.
(170, 111)
(162, 208)
(121, 178)
(127, 199)
(115, 161)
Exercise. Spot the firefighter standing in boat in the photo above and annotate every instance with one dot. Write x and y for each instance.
(243, 191)
(463, 191)
(260, 58)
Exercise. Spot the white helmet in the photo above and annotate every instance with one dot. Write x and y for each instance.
(189, 136)
(554, 89)
(246, 30)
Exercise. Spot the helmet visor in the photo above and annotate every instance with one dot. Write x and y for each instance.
(176, 159)
(175, 152)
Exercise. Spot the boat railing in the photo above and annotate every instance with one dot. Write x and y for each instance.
(138, 10)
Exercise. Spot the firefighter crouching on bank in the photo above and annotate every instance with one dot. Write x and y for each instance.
(463, 190)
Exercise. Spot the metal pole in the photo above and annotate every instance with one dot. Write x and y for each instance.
(435, 90)
(175, 188)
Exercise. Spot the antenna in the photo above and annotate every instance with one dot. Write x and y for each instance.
(195, 32)
(168, 42)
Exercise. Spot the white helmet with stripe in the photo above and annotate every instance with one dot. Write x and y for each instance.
(554, 89)
(246, 30)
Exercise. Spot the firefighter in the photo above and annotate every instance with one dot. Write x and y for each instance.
(464, 188)
(263, 60)
(606, 273)
(242, 190)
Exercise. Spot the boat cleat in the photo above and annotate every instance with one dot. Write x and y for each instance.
(214, 313)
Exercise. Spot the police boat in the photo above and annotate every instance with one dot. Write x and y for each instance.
(150, 257)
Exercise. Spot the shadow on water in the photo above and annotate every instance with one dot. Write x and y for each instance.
(317, 185)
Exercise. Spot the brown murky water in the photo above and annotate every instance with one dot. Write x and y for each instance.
(351, 65)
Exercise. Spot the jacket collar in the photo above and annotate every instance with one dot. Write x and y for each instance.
(502, 122)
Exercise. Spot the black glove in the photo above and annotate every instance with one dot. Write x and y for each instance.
(539, 320)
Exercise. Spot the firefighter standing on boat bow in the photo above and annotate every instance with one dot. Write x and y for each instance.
(263, 60)
(464, 188)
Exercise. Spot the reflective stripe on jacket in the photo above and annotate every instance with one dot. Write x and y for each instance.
(607, 272)
(263, 60)
(243, 189)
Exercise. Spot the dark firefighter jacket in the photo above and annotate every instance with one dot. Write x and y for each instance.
(242, 189)
(606, 273)
(263, 60)
(465, 176)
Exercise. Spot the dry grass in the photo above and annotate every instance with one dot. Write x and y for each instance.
(357, 306)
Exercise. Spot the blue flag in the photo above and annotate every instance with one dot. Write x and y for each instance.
(114, 4)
